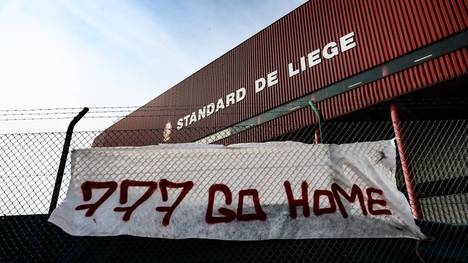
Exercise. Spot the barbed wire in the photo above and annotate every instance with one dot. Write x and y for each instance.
(106, 112)
(184, 106)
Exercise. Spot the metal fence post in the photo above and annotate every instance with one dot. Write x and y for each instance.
(412, 196)
(63, 159)
(316, 136)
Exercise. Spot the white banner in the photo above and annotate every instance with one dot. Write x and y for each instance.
(275, 190)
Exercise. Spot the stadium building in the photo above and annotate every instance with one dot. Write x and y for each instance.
(331, 71)
(350, 67)
(344, 56)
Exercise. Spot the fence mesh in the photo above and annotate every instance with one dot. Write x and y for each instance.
(437, 152)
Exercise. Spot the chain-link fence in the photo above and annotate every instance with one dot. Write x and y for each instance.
(437, 153)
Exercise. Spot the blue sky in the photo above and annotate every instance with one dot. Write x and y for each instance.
(114, 53)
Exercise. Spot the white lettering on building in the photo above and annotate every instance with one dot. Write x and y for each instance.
(205, 111)
(328, 51)
(314, 58)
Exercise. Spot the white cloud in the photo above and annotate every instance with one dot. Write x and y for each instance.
(112, 53)
(43, 64)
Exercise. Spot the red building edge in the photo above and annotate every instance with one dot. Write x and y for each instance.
(342, 56)
(426, 75)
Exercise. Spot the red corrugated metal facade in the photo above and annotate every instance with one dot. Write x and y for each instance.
(425, 75)
(384, 30)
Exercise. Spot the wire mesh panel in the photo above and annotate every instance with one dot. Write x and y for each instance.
(438, 159)
(438, 153)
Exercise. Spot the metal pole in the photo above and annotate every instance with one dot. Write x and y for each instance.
(316, 136)
(413, 199)
(319, 117)
(63, 159)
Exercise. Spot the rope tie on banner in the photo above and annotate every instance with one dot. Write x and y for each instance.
(419, 242)
(417, 251)
(318, 114)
